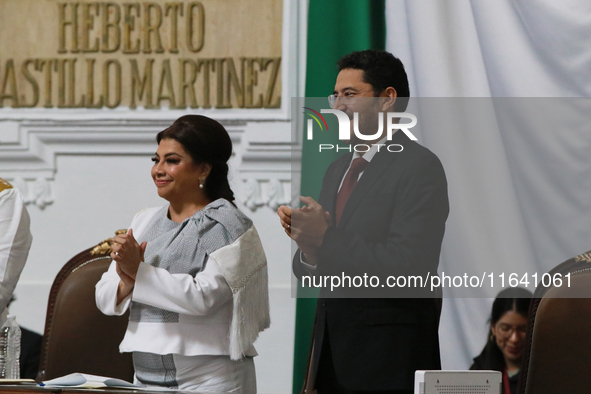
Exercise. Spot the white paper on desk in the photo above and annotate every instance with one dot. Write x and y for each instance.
(83, 380)
(88, 381)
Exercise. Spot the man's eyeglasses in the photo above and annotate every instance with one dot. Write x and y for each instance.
(346, 98)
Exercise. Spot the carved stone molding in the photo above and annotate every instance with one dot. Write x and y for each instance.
(269, 193)
(28, 148)
(35, 191)
(276, 194)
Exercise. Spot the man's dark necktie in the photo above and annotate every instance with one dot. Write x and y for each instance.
(357, 167)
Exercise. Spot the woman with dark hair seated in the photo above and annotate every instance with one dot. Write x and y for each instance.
(508, 325)
(193, 273)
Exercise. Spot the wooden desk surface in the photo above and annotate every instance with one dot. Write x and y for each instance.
(35, 389)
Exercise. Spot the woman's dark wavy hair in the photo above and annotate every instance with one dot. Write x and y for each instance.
(206, 141)
(515, 299)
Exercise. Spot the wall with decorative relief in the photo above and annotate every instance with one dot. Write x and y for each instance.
(85, 173)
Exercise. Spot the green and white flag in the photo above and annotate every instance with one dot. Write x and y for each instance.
(335, 28)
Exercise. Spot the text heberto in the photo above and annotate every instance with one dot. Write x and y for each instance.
(345, 130)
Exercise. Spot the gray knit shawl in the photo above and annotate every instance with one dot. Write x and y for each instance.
(182, 248)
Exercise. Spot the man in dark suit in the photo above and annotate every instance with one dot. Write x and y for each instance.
(380, 213)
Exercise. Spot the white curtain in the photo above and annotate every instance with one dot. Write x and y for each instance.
(518, 165)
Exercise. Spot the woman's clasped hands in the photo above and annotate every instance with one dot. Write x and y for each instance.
(128, 255)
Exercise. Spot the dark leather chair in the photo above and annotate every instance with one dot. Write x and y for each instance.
(78, 337)
(557, 353)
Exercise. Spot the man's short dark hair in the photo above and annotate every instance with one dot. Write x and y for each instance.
(381, 70)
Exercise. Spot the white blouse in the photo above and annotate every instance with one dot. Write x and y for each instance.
(203, 302)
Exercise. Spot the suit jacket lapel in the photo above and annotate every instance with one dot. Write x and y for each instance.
(372, 173)
(333, 187)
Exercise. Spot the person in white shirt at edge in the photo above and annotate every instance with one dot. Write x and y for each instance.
(15, 242)
(193, 273)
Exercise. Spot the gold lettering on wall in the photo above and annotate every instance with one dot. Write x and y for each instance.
(64, 22)
(32, 81)
(150, 54)
(8, 90)
(195, 26)
(129, 27)
(111, 32)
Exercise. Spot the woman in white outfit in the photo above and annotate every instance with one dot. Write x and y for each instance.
(193, 273)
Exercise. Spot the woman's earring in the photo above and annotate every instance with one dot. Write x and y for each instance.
(201, 183)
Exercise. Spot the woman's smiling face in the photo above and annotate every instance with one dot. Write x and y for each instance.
(174, 173)
(509, 333)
